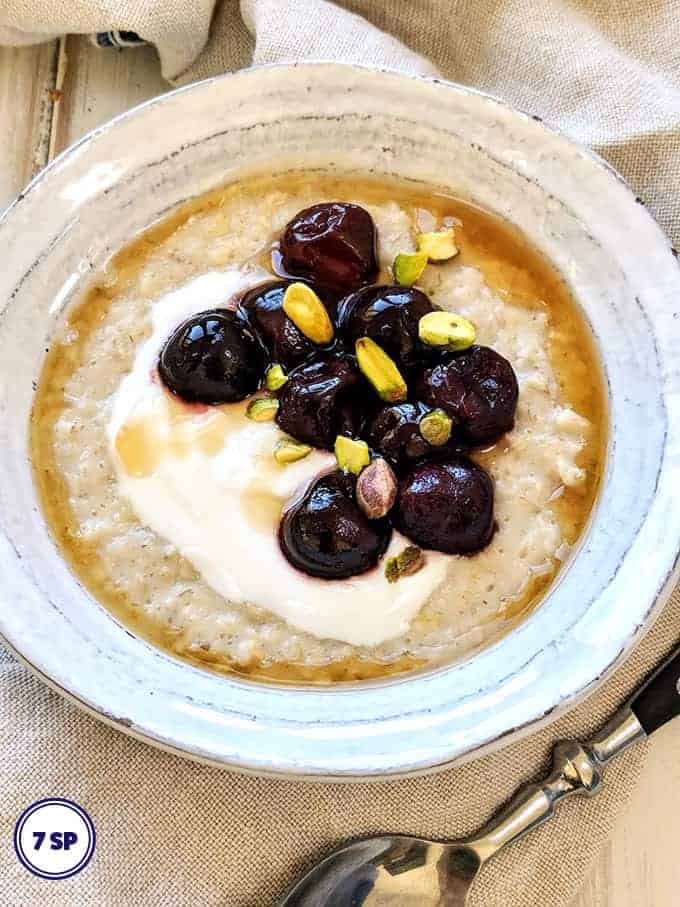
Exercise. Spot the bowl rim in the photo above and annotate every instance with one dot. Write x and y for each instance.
(533, 721)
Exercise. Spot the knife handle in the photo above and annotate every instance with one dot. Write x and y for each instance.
(658, 700)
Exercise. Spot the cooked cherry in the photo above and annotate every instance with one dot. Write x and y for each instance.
(263, 308)
(446, 505)
(213, 357)
(478, 388)
(394, 432)
(326, 535)
(332, 244)
(323, 399)
(389, 315)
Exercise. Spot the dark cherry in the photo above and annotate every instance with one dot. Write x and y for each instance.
(389, 315)
(323, 399)
(394, 432)
(263, 308)
(326, 535)
(478, 388)
(213, 357)
(446, 505)
(332, 244)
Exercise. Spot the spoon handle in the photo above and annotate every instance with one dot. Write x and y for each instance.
(577, 767)
(576, 770)
(658, 700)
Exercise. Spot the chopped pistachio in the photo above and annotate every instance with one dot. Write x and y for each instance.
(438, 246)
(351, 455)
(275, 378)
(407, 562)
(436, 427)
(408, 267)
(446, 330)
(380, 370)
(308, 313)
(376, 489)
(263, 409)
(289, 451)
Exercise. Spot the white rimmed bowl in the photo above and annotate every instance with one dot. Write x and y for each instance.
(133, 170)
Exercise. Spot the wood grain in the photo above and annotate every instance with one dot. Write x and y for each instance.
(27, 76)
(639, 866)
(98, 84)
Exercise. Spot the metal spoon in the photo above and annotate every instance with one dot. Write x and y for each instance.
(395, 869)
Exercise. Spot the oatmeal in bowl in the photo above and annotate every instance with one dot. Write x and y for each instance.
(396, 405)
(321, 427)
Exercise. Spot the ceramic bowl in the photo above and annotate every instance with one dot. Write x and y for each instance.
(122, 177)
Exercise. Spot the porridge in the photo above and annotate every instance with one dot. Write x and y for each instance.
(387, 470)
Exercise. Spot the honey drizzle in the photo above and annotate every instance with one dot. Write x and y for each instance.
(173, 429)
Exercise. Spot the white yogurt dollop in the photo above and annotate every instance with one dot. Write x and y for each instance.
(206, 480)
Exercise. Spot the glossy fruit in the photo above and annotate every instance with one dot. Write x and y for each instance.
(323, 399)
(389, 315)
(325, 534)
(446, 505)
(478, 389)
(332, 244)
(394, 432)
(263, 308)
(213, 357)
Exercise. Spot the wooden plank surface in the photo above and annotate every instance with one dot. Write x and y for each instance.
(27, 76)
(639, 866)
(99, 84)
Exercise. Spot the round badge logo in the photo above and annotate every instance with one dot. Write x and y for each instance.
(54, 838)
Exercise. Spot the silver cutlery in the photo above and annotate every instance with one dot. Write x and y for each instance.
(405, 871)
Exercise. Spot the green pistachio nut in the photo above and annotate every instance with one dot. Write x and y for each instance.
(308, 313)
(380, 370)
(376, 489)
(408, 267)
(275, 378)
(263, 409)
(407, 562)
(447, 331)
(436, 427)
(439, 246)
(289, 451)
(352, 456)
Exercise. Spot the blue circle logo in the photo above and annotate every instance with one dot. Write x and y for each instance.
(54, 838)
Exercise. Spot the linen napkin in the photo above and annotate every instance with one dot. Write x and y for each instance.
(172, 832)
(608, 74)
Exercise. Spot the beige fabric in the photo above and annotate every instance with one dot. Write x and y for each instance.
(171, 832)
(174, 833)
(606, 73)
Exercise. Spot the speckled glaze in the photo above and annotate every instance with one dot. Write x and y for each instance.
(130, 172)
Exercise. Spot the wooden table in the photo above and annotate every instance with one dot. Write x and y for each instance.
(52, 94)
